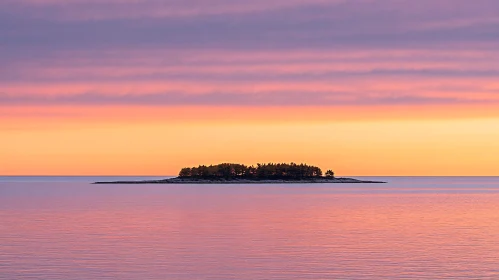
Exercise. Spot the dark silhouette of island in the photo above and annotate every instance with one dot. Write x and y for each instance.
(271, 171)
(233, 173)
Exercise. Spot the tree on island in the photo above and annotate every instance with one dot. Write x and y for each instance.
(330, 173)
(269, 171)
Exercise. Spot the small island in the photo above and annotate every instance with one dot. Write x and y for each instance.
(233, 173)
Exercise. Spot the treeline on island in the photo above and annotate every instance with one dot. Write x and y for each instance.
(269, 171)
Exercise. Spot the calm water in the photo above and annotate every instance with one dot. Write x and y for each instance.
(411, 228)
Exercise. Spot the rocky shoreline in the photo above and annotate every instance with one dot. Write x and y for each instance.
(178, 180)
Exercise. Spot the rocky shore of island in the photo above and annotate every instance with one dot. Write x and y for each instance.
(233, 173)
(178, 180)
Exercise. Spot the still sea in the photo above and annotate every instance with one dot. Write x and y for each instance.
(411, 228)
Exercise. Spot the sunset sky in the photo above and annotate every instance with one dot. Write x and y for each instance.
(145, 87)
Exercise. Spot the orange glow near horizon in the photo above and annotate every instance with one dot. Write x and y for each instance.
(159, 141)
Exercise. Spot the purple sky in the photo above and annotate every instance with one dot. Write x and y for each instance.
(226, 52)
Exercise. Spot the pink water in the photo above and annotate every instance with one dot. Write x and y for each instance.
(411, 228)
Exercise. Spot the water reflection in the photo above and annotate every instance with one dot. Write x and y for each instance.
(420, 229)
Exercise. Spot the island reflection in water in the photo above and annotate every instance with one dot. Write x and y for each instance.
(419, 228)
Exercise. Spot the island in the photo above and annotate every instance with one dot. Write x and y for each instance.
(233, 173)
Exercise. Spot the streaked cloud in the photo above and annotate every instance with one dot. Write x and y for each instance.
(78, 10)
(255, 78)
(249, 53)
(246, 24)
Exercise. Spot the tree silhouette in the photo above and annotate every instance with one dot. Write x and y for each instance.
(282, 171)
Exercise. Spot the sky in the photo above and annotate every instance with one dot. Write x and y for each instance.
(145, 87)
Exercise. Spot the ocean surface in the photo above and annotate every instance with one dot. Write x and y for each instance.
(411, 228)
